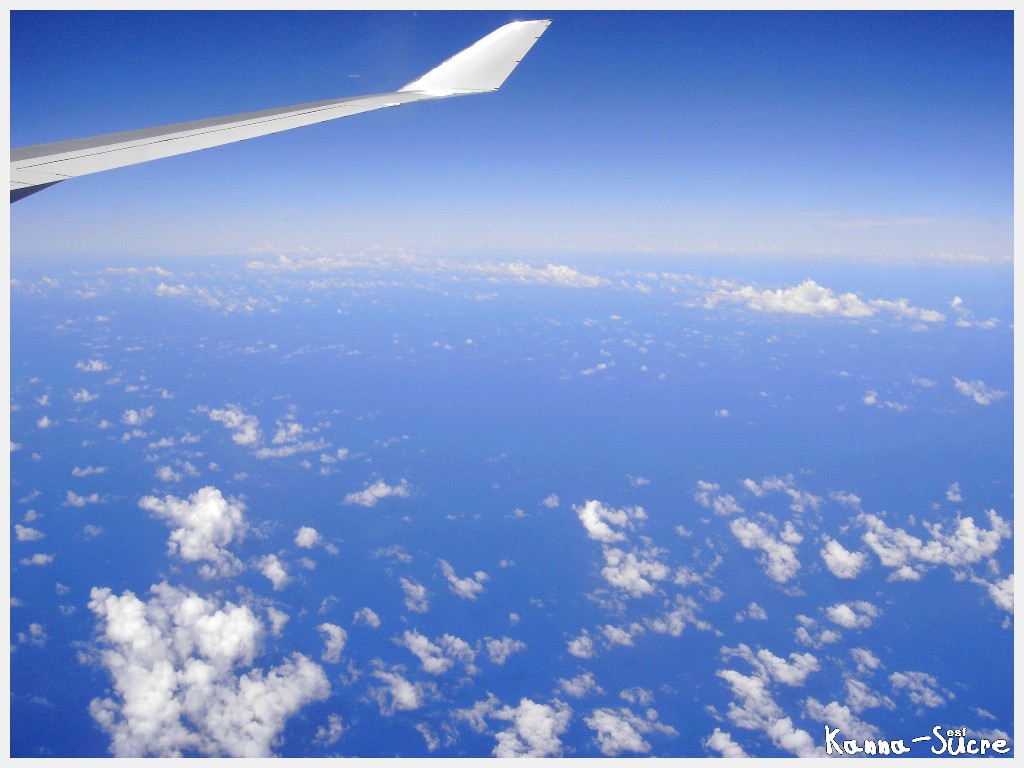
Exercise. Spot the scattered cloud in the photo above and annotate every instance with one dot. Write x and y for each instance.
(416, 597)
(622, 730)
(982, 394)
(369, 496)
(596, 519)
(467, 588)
(176, 663)
(307, 537)
(779, 558)
(245, 429)
(334, 642)
(841, 562)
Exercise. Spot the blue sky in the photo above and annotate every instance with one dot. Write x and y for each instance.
(879, 135)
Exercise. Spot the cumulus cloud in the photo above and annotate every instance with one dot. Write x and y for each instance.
(596, 518)
(500, 648)
(858, 614)
(754, 708)
(674, 620)
(467, 588)
(307, 537)
(37, 559)
(92, 366)
(275, 570)
(721, 741)
(836, 715)
(83, 396)
(554, 274)
(809, 298)
(582, 647)
(534, 729)
(779, 558)
(136, 417)
(416, 598)
(366, 616)
(396, 693)
(982, 394)
(329, 734)
(860, 697)
(245, 429)
(334, 642)
(580, 686)
(24, 533)
(203, 526)
(432, 657)
(629, 573)
(769, 666)
(965, 317)
(74, 500)
(622, 730)
(176, 663)
(369, 496)
(708, 497)
(920, 687)
(843, 563)
(865, 660)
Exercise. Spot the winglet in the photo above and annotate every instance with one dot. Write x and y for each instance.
(483, 66)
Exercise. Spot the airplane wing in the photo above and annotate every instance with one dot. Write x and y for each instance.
(482, 67)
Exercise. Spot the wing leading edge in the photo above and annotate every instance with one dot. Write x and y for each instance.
(481, 68)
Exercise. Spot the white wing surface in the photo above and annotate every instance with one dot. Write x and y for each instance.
(482, 67)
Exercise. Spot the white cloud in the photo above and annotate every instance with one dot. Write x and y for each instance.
(596, 518)
(582, 647)
(397, 693)
(245, 429)
(551, 502)
(843, 563)
(90, 470)
(45, 422)
(554, 274)
(965, 318)
(275, 570)
(467, 588)
(953, 493)
(755, 709)
(860, 697)
(769, 666)
(721, 741)
(167, 475)
(334, 642)
(176, 665)
(369, 496)
(84, 396)
(722, 504)
(331, 733)
(432, 742)
(500, 648)
(416, 598)
(620, 730)
(92, 366)
(307, 537)
(24, 533)
(580, 686)
(920, 687)
(858, 614)
(202, 528)
(37, 559)
(673, 622)
(134, 418)
(621, 635)
(836, 715)
(866, 660)
(779, 559)
(1001, 593)
(534, 729)
(629, 573)
(432, 657)
(74, 500)
(982, 394)
(366, 616)
(809, 298)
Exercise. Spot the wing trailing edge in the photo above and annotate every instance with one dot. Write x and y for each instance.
(481, 68)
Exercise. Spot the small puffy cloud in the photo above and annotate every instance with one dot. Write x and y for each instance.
(334, 642)
(551, 502)
(721, 742)
(136, 417)
(167, 475)
(582, 647)
(37, 559)
(1001, 593)
(432, 657)
(416, 597)
(754, 708)
(953, 493)
(203, 526)
(723, 504)
(396, 693)
(83, 396)
(674, 621)
(90, 470)
(92, 366)
(779, 558)
(467, 588)
(843, 563)
(307, 537)
(865, 660)
(836, 715)
(45, 422)
(24, 533)
(629, 573)
(768, 666)
(580, 686)
(621, 635)
(183, 678)
(369, 496)
(596, 519)
(860, 697)
(858, 614)
(965, 317)
(366, 616)
(245, 429)
(982, 394)
(74, 500)
(621, 730)
(553, 274)
(534, 729)
(500, 648)
(920, 687)
(275, 570)
(329, 734)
